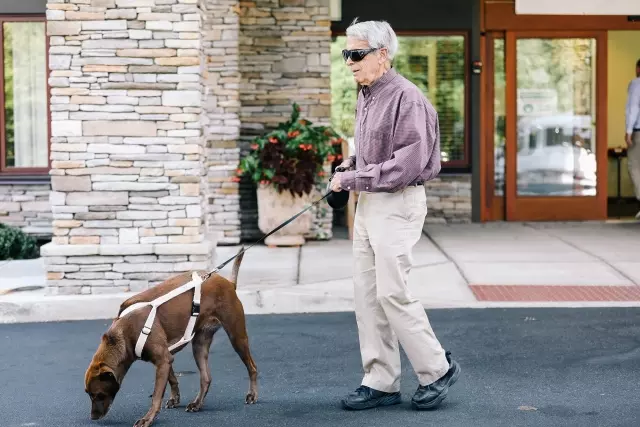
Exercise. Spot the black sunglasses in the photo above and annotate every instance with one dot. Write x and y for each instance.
(357, 54)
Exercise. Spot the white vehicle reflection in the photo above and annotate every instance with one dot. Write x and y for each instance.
(556, 156)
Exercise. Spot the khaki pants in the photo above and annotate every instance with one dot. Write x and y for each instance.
(633, 162)
(387, 226)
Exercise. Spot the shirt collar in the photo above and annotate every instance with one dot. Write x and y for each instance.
(379, 84)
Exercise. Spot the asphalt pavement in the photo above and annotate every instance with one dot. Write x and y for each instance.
(520, 367)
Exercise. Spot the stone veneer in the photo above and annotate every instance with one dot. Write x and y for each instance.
(284, 56)
(449, 199)
(127, 146)
(26, 206)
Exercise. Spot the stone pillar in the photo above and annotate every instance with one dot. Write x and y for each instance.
(127, 146)
(222, 123)
(285, 48)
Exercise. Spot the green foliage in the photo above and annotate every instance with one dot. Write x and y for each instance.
(343, 91)
(291, 157)
(8, 95)
(435, 64)
(15, 244)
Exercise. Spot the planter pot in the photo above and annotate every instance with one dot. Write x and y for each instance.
(275, 208)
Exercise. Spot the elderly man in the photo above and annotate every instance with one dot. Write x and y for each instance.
(397, 150)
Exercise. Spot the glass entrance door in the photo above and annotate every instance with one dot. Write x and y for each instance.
(555, 151)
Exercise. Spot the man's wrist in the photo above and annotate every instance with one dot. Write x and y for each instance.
(348, 180)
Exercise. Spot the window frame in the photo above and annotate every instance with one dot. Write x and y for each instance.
(23, 172)
(464, 164)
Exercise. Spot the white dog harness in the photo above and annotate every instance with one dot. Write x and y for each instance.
(194, 284)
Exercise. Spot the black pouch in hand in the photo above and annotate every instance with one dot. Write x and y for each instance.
(337, 200)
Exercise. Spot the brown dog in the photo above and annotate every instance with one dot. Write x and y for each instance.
(219, 306)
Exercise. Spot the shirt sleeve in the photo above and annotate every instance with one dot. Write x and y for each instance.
(416, 134)
(633, 105)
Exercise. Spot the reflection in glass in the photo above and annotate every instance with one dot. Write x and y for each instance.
(556, 114)
(499, 114)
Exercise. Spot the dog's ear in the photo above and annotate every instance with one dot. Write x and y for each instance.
(109, 339)
(108, 375)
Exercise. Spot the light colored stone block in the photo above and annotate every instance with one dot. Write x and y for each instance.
(182, 98)
(111, 25)
(66, 128)
(53, 250)
(128, 236)
(119, 128)
(128, 249)
(63, 28)
(203, 248)
(99, 198)
(71, 183)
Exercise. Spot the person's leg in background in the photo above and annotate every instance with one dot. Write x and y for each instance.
(633, 162)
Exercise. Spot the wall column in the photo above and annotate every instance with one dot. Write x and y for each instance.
(127, 145)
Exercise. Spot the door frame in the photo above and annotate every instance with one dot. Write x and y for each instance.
(493, 206)
(511, 207)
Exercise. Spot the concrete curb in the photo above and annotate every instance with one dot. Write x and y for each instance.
(29, 308)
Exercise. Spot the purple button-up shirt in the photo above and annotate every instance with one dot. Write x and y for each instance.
(397, 137)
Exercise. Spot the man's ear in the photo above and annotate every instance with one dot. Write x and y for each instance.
(384, 54)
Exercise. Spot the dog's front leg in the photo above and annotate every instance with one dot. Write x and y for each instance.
(163, 367)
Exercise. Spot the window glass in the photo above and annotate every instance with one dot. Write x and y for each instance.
(436, 64)
(25, 95)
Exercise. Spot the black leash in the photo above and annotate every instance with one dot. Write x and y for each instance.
(221, 266)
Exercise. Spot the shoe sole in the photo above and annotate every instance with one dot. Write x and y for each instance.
(438, 400)
(386, 401)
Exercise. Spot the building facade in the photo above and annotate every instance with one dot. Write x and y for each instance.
(124, 120)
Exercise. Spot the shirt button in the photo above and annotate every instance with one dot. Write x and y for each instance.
(349, 188)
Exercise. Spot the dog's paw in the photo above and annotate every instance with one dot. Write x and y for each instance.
(173, 402)
(142, 422)
(252, 397)
(194, 407)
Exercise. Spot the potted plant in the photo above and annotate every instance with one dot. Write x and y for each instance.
(287, 164)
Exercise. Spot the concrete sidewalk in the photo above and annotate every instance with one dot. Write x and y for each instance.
(462, 265)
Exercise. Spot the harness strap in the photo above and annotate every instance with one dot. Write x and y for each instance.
(196, 284)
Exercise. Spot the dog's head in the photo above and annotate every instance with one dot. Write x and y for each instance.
(101, 382)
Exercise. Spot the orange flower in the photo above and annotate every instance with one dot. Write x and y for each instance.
(239, 171)
(293, 133)
(254, 146)
(321, 173)
(339, 157)
(273, 140)
(331, 157)
(235, 179)
(264, 182)
(302, 146)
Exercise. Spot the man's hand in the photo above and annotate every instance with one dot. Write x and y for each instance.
(346, 164)
(628, 140)
(335, 182)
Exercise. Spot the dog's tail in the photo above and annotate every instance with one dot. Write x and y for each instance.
(236, 268)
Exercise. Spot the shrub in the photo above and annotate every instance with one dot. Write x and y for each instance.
(15, 244)
(290, 157)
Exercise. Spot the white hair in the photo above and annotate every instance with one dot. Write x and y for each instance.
(378, 34)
